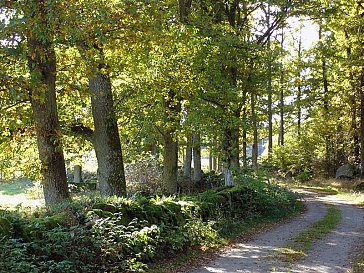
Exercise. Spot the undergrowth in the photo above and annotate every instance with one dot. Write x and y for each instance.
(92, 234)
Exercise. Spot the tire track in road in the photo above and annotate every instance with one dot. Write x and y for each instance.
(330, 255)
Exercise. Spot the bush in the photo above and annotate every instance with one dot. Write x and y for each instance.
(144, 175)
(124, 234)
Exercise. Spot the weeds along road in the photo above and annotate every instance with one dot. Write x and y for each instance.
(332, 254)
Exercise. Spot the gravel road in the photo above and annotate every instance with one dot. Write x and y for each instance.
(329, 255)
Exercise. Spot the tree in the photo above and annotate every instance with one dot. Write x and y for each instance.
(91, 41)
(41, 59)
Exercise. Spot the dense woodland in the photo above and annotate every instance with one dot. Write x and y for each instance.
(131, 79)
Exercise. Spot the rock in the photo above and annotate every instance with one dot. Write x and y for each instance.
(346, 171)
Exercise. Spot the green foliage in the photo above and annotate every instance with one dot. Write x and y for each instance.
(124, 234)
(297, 155)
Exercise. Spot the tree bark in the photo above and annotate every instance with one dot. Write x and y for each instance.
(42, 66)
(170, 159)
(188, 159)
(245, 146)
(270, 115)
(231, 153)
(281, 110)
(354, 127)
(299, 90)
(77, 173)
(362, 124)
(255, 133)
(210, 158)
(184, 10)
(106, 138)
(281, 96)
(197, 172)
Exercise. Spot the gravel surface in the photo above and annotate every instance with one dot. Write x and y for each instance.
(330, 255)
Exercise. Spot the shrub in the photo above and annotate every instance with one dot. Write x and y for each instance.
(144, 175)
(124, 234)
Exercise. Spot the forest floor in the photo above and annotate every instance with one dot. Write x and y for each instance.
(332, 254)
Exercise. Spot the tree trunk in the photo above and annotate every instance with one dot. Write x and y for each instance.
(170, 159)
(214, 163)
(231, 153)
(197, 172)
(354, 127)
(188, 159)
(325, 83)
(210, 158)
(281, 99)
(184, 10)
(270, 115)
(77, 173)
(220, 165)
(281, 111)
(255, 133)
(299, 88)
(362, 124)
(42, 66)
(245, 146)
(106, 138)
(172, 108)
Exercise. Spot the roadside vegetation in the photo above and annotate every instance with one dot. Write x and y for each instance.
(345, 189)
(94, 234)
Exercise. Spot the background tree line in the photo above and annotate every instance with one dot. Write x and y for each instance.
(130, 77)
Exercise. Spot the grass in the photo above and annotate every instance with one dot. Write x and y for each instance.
(343, 189)
(15, 188)
(22, 192)
(299, 245)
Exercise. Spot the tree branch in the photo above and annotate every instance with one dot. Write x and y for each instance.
(14, 104)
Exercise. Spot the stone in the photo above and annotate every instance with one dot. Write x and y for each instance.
(346, 171)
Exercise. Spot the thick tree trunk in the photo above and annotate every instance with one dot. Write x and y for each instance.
(170, 159)
(42, 66)
(77, 173)
(197, 172)
(172, 108)
(231, 153)
(188, 159)
(106, 138)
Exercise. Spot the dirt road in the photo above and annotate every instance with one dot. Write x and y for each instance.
(333, 254)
